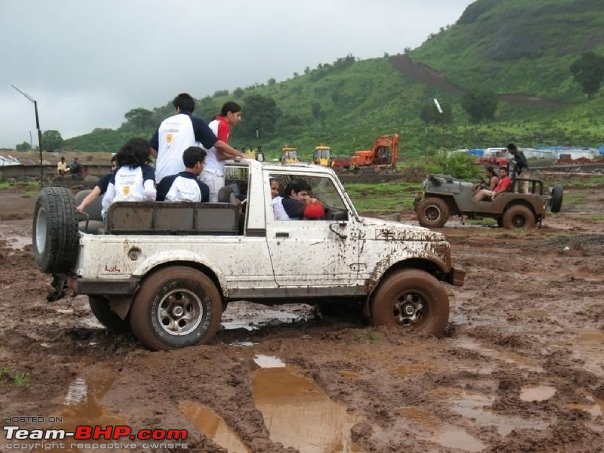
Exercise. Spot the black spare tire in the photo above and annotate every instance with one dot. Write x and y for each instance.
(55, 236)
(556, 200)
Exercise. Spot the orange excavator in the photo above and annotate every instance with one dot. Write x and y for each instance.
(383, 154)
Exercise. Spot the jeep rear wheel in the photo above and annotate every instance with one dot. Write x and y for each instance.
(518, 216)
(99, 306)
(411, 299)
(176, 307)
(55, 231)
(432, 212)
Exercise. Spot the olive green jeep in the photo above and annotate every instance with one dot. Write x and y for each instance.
(444, 196)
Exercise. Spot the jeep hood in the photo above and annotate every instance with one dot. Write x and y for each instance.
(385, 230)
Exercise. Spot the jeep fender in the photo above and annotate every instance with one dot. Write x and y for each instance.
(423, 261)
(186, 257)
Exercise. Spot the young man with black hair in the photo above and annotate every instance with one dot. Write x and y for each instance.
(185, 186)
(297, 203)
(213, 173)
(180, 131)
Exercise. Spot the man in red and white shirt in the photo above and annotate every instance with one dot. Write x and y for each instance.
(504, 184)
(213, 172)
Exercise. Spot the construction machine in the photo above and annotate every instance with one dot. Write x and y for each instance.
(289, 155)
(383, 154)
(322, 156)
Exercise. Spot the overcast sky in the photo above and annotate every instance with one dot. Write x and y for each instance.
(88, 62)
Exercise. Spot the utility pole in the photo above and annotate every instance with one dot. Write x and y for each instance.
(39, 131)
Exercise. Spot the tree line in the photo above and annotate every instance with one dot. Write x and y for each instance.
(263, 118)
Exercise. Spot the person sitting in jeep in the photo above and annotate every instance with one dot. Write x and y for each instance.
(504, 184)
(185, 186)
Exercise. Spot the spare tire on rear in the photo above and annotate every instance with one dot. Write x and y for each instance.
(556, 200)
(55, 236)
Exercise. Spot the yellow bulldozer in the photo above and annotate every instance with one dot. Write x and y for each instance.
(322, 156)
(289, 155)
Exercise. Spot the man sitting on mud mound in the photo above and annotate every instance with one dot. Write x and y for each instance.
(504, 184)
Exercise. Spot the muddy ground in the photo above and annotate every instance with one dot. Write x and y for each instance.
(520, 369)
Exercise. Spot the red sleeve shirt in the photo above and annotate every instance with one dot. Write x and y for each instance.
(224, 129)
(504, 184)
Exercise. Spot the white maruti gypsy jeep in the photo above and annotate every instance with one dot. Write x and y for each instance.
(167, 270)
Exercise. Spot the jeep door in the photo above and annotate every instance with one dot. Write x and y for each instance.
(314, 252)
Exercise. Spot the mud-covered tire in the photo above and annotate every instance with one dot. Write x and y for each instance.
(555, 203)
(432, 212)
(411, 299)
(99, 306)
(518, 216)
(176, 307)
(55, 236)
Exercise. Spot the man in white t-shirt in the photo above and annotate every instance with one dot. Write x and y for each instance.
(177, 133)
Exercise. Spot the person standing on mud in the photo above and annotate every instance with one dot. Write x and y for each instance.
(180, 131)
(213, 173)
(521, 168)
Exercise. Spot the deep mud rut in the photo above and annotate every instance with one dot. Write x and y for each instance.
(521, 367)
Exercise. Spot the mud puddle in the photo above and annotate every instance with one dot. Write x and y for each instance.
(297, 412)
(213, 426)
(441, 433)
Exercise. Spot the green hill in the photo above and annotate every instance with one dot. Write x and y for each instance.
(519, 50)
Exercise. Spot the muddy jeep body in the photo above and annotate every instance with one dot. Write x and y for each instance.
(444, 196)
(167, 270)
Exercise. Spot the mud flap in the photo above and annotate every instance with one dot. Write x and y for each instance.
(60, 287)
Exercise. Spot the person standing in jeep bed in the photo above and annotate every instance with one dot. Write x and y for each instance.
(521, 168)
(177, 133)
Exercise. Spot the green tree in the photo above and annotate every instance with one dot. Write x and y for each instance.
(261, 114)
(480, 105)
(51, 140)
(25, 146)
(139, 118)
(588, 71)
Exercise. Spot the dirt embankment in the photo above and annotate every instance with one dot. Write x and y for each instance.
(420, 72)
(521, 367)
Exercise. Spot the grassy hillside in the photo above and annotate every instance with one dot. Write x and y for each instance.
(509, 47)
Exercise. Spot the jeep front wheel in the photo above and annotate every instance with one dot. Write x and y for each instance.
(411, 299)
(518, 216)
(176, 307)
(432, 212)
